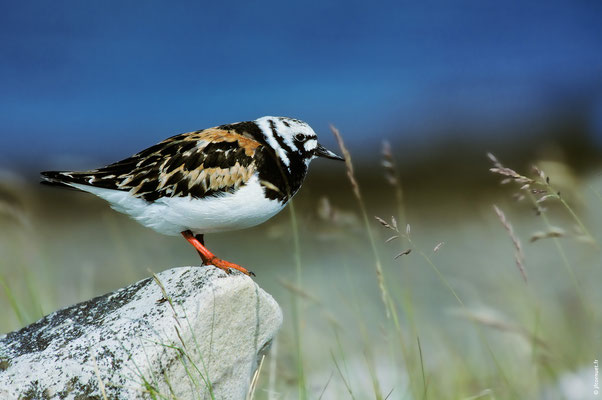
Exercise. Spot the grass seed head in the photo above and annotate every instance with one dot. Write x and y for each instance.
(518, 250)
(348, 163)
(403, 253)
(554, 232)
(391, 238)
(384, 223)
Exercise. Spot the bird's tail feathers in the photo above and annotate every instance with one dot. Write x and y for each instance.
(58, 178)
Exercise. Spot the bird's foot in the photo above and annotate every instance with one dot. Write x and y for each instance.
(209, 258)
(227, 266)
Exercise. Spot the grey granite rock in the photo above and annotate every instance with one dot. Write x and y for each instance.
(206, 339)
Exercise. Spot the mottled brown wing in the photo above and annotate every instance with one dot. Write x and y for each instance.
(202, 163)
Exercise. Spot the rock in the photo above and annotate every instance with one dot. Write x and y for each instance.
(205, 340)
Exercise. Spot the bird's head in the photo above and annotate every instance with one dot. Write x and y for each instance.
(291, 137)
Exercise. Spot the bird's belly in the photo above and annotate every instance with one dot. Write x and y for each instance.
(229, 211)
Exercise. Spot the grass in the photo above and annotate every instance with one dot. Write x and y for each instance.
(428, 304)
(191, 359)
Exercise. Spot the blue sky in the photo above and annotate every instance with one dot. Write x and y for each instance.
(100, 80)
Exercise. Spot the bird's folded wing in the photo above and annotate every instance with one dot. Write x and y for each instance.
(202, 163)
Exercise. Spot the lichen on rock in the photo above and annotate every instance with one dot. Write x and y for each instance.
(191, 332)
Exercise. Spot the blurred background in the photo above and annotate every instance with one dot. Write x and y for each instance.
(88, 83)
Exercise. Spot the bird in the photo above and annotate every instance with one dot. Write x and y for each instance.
(219, 179)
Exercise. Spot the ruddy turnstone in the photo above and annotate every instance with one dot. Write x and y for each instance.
(218, 179)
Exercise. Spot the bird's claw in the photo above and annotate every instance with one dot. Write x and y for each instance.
(227, 266)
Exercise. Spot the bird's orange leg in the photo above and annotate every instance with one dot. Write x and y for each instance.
(209, 258)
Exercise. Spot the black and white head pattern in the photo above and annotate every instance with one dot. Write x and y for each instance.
(291, 139)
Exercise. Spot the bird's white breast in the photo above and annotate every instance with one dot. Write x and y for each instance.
(171, 215)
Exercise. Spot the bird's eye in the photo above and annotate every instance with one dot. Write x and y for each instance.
(299, 137)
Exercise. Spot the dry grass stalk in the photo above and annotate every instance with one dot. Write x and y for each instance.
(348, 164)
(519, 256)
(552, 233)
(538, 186)
(356, 191)
(538, 190)
(253, 387)
(392, 225)
(540, 173)
(510, 174)
(403, 253)
(498, 168)
(546, 197)
(392, 177)
(391, 238)
(165, 297)
(497, 323)
(101, 384)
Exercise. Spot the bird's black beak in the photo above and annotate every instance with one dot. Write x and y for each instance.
(321, 151)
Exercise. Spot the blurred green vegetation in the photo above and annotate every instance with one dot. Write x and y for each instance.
(469, 325)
